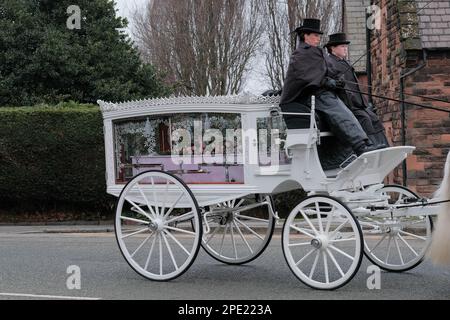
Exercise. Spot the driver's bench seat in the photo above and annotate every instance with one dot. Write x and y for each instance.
(303, 121)
(332, 153)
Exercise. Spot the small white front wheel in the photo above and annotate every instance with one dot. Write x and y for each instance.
(158, 226)
(398, 243)
(322, 243)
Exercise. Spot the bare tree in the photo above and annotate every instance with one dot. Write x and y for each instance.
(282, 17)
(204, 46)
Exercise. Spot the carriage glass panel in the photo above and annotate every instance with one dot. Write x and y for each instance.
(272, 133)
(201, 148)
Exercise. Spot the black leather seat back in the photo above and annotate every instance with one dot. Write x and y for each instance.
(300, 121)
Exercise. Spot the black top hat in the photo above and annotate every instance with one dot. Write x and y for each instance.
(337, 39)
(309, 25)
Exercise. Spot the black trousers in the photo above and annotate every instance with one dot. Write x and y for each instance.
(372, 126)
(341, 121)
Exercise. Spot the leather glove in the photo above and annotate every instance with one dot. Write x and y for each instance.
(340, 84)
(329, 83)
(332, 84)
(371, 107)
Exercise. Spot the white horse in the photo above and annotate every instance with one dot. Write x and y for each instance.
(440, 245)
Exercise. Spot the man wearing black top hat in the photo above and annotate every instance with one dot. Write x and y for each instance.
(308, 75)
(340, 68)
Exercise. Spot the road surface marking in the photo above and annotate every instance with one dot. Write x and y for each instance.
(45, 296)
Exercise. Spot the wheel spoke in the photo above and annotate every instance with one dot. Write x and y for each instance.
(389, 250)
(150, 253)
(180, 230)
(139, 209)
(154, 196)
(398, 250)
(299, 244)
(134, 233)
(239, 203)
(142, 244)
(378, 243)
(319, 218)
(249, 229)
(232, 241)
(160, 255)
(174, 204)
(177, 242)
(242, 236)
(251, 218)
(302, 231)
(135, 220)
(313, 268)
(146, 200)
(325, 266)
(306, 256)
(408, 245)
(335, 231)
(223, 238)
(187, 216)
(212, 234)
(308, 221)
(413, 235)
(165, 199)
(335, 262)
(343, 240)
(170, 251)
(342, 252)
(330, 218)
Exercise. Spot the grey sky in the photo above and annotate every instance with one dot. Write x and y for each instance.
(128, 7)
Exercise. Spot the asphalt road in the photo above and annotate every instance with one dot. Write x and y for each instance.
(34, 263)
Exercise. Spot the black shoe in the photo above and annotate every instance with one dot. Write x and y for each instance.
(365, 148)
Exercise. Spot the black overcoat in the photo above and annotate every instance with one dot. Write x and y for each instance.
(306, 71)
(341, 68)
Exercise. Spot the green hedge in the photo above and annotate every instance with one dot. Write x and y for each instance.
(52, 156)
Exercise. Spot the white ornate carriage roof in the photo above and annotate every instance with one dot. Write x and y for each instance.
(241, 99)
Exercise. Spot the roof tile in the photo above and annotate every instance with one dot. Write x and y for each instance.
(434, 23)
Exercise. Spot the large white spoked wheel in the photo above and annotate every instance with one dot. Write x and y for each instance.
(158, 226)
(322, 243)
(239, 230)
(397, 243)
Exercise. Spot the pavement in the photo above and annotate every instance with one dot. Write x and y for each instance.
(80, 227)
(6, 229)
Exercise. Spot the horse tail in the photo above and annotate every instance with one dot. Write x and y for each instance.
(440, 245)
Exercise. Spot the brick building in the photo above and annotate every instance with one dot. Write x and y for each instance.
(410, 53)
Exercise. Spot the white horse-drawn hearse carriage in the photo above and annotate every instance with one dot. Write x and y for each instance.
(180, 186)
